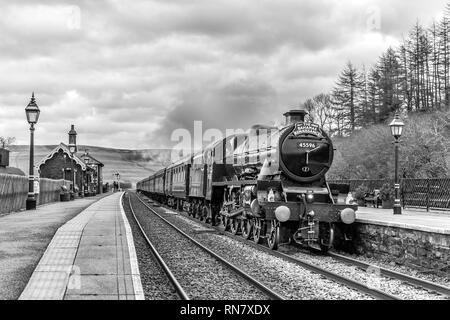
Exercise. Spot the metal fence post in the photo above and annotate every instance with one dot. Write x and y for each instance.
(428, 195)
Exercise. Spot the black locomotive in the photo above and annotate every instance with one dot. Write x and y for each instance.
(265, 183)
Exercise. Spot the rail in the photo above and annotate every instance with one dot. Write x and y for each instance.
(361, 287)
(176, 284)
(269, 292)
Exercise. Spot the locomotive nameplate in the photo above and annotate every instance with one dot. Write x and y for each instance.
(307, 128)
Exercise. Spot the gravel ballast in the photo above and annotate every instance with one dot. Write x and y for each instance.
(201, 276)
(290, 280)
(155, 283)
(443, 279)
(370, 277)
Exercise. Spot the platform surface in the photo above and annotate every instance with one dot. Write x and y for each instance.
(24, 237)
(414, 219)
(90, 257)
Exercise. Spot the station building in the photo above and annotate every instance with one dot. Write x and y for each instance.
(84, 170)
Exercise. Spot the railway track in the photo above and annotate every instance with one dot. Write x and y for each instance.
(360, 286)
(182, 292)
(393, 274)
(173, 280)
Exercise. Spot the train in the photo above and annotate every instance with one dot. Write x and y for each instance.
(265, 184)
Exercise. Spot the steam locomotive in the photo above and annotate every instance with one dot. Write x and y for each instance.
(267, 183)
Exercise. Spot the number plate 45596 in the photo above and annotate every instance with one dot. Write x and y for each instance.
(306, 145)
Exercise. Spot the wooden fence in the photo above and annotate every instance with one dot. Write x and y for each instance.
(14, 192)
(421, 193)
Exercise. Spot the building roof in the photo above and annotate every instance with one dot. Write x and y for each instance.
(92, 160)
(64, 149)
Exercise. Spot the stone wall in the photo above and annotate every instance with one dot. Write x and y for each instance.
(14, 192)
(404, 246)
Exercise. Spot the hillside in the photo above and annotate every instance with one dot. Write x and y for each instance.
(133, 165)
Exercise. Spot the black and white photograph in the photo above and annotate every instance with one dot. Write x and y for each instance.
(217, 156)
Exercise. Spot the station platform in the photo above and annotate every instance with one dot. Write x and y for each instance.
(92, 257)
(414, 219)
(25, 235)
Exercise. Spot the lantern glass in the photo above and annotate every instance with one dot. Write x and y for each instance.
(32, 111)
(397, 127)
(32, 115)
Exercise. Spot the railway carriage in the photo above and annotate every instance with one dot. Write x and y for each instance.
(178, 189)
(157, 182)
(267, 183)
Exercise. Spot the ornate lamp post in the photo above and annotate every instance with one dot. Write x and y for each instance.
(87, 162)
(396, 131)
(117, 175)
(32, 112)
(72, 151)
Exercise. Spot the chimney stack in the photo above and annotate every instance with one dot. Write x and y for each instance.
(73, 137)
(294, 116)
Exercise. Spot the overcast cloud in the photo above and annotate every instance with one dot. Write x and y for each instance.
(127, 73)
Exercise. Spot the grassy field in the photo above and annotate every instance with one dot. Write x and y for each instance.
(133, 165)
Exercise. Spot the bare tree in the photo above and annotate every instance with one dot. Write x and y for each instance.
(319, 109)
(6, 141)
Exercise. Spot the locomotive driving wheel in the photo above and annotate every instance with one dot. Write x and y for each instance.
(326, 236)
(246, 228)
(201, 213)
(234, 226)
(207, 214)
(196, 211)
(273, 238)
(226, 223)
(257, 227)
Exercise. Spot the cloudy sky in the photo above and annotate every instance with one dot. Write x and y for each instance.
(128, 73)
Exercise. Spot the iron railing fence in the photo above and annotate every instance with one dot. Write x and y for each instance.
(421, 193)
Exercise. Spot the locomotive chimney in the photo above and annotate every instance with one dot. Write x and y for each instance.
(294, 116)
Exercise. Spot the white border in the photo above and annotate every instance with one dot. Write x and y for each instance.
(135, 274)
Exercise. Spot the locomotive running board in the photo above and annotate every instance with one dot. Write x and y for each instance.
(234, 183)
(305, 190)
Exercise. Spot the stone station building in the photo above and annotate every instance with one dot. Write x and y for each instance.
(84, 170)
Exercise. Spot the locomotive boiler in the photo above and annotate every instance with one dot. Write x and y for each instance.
(268, 183)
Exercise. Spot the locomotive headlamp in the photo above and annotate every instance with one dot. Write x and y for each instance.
(282, 213)
(348, 216)
(310, 197)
